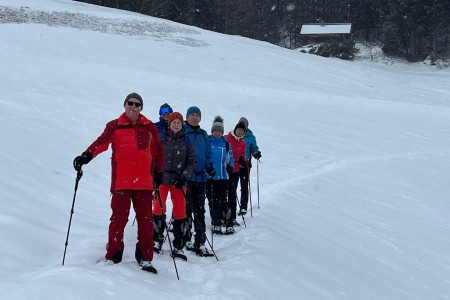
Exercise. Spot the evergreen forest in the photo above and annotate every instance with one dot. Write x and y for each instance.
(411, 29)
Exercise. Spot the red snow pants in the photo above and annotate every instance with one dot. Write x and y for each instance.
(120, 205)
(178, 201)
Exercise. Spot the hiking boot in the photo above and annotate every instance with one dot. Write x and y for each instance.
(177, 251)
(117, 257)
(242, 212)
(158, 247)
(146, 265)
(235, 223)
(202, 251)
(189, 246)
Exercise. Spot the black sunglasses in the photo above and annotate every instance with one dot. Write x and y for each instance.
(137, 104)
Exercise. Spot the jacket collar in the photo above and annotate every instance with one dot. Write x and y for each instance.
(170, 133)
(193, 128)
(142, 120)
(235, 136)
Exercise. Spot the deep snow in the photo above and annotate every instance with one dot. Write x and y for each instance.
(354, 178)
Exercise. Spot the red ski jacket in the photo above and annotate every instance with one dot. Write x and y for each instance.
(136, 152)
(238, 147)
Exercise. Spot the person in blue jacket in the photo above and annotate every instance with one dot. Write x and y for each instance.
(164, 112)
(216, 188)
(252, 150)
(196, 185)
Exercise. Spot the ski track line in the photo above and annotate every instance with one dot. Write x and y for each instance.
(324, 167)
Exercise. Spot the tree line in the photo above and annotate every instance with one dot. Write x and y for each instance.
(413, 29)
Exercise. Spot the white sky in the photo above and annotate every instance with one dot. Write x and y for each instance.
(354, 178)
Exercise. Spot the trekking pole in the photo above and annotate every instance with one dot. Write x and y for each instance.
(238, 202)
(250, 192)
(79, 175)
(212, 249)
(212, 215)
(158, 196)
(168, 228)
(257, 179)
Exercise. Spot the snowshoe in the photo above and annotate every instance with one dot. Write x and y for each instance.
(202, 251)
(105, 262)
(147, 266)
(229, 230)
(178, 253)
(217, 230)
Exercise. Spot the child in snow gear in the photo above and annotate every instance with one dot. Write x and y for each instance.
(179, 162)
(251, 149)
(136, 157)
(164, 112)
(196, 185)
(235, 138)
(217, 186)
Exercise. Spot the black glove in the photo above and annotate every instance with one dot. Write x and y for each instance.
(210, 170)
(158, 178)
(257, 155)
(81, 160)
(180, 182)
(229, 169)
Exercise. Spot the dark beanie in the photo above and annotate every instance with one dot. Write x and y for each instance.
(136, 96)
(244, 119)
(240, 125)
(165, 105)
(193, 110)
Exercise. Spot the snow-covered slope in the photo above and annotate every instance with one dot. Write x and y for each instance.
(353, 180)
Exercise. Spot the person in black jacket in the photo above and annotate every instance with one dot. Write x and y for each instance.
(179, 162)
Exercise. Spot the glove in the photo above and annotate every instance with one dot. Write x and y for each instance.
(180, 182)
(257, 155)
(210, 170)
(229, 169)
(158, 178)
(81, 160)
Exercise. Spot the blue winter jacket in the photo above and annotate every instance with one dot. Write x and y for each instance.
(161, 125)
(221, 157)
(250, 140)
(202, 152)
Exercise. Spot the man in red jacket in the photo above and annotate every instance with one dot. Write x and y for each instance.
(137, 165)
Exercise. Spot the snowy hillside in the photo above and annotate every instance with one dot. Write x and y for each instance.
(354, 179)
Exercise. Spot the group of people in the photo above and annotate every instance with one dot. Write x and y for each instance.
(176, 156)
